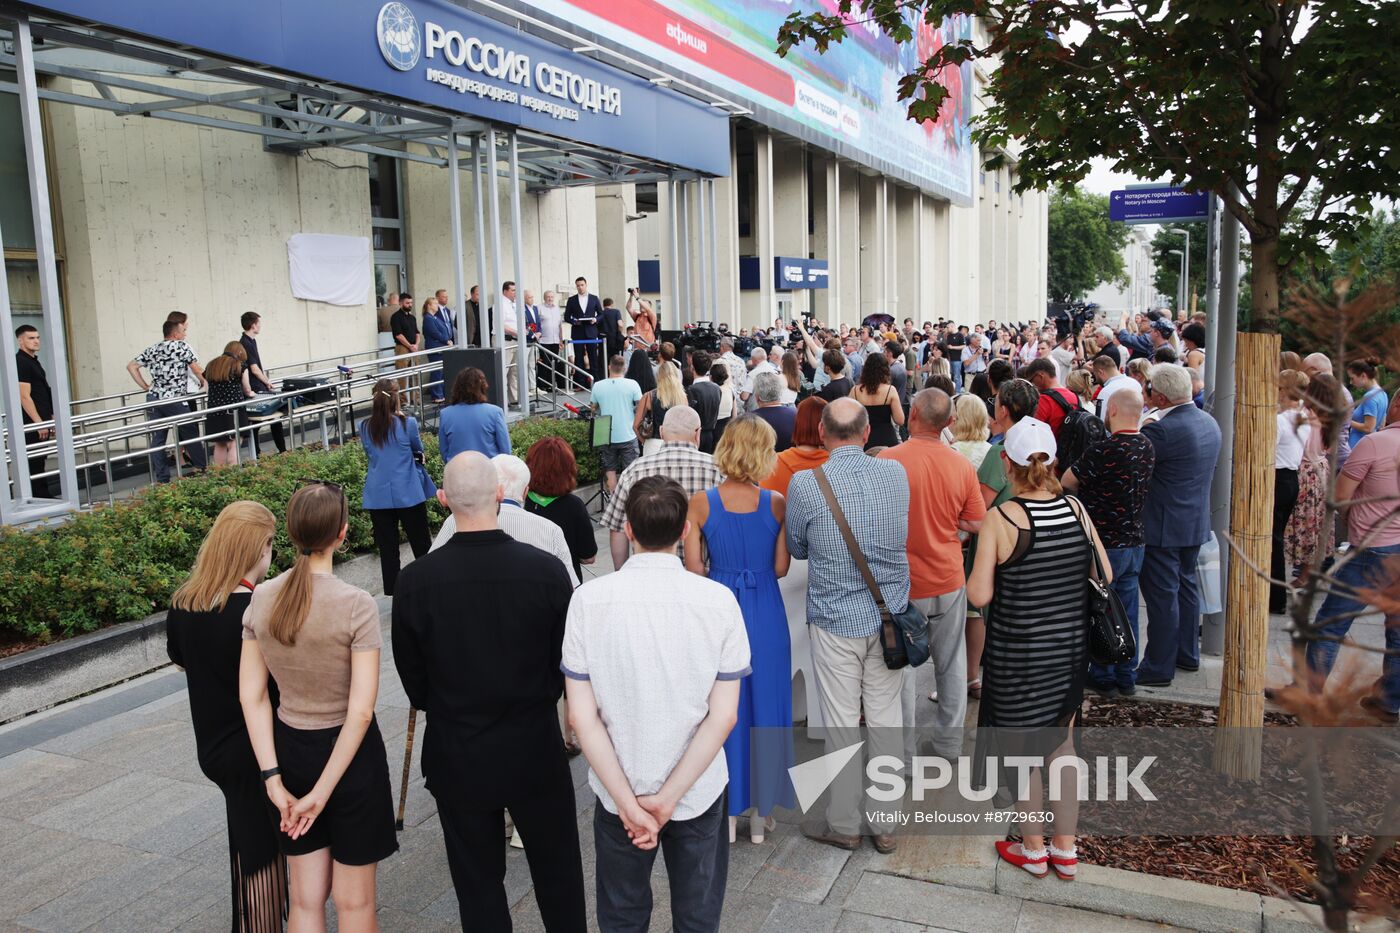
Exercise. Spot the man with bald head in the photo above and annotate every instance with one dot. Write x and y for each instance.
(944, 499)
(1175, 522)
(1112, 479)
(1313, 365)
(514, 478)
(487, 675)
(844, 620)
(679, 458)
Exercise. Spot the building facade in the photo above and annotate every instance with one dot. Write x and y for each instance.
(153, 216)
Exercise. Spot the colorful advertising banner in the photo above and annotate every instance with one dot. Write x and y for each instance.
(845, 100)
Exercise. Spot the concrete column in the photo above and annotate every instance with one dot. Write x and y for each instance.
(764, 226)
(941, 292)
(727, 242)
(826, 236)
(849, 249)
(790, 236)
(986, 240)
(907, 283)
(617, 241)
(875, 259)
(1015, 299)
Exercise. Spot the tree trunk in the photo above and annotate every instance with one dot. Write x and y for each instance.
(1239, 737)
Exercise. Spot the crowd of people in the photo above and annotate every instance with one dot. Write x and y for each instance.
(983, 495)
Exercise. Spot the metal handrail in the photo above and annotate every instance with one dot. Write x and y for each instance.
(110, 433)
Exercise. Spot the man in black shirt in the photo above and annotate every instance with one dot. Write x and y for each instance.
(1112, 479)
(489, 680)
(404, 326)
(257, 376)
(704, 397)
(36, 399)
(957, 339)
(610, 328)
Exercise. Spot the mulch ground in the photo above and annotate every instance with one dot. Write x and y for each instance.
(1269, 865)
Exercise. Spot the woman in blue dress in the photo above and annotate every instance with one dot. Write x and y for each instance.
(742, 529)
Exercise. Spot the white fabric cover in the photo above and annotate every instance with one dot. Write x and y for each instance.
(330, 268)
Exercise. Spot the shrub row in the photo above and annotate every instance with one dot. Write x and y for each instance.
(121, 563)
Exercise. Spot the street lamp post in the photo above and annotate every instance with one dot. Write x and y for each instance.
(1186, 265)
(1180, 274)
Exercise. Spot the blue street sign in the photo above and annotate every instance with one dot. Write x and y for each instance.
(1156, 204)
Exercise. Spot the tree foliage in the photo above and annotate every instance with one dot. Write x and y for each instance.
(1166, 276)
(1084, 246)
(1258, 101)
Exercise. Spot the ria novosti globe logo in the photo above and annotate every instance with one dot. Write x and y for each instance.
(399, 40)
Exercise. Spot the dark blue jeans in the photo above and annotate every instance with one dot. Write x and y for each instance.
(955, 368)
(160, 463)
(697, 864)
(1168, 583)
(1126, 563)
(1365, 570)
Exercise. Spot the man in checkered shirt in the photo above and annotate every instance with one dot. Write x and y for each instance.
(681, 459)
(847, 657)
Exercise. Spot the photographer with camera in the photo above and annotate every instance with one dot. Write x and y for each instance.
(643, 318)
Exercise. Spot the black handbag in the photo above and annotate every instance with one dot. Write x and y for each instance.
(1109, 634)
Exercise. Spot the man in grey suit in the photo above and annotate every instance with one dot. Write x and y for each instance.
(1176, 522)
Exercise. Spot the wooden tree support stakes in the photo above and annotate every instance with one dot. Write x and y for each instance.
(1238, 741)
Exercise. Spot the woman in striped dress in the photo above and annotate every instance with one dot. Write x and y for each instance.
(1032, 563)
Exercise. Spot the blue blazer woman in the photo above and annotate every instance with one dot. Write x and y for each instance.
(478, 426)
(394, 480)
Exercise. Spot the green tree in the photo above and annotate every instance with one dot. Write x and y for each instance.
(1167, 267)
(1084, 246)
(1259, 101)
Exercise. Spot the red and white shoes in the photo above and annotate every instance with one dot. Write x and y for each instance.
(1065, 863)
(1035, 863)
(1039, 862)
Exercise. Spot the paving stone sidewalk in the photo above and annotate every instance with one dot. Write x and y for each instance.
(107, 824)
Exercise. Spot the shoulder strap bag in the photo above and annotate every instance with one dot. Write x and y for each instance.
(1110, 637)
(903, 637)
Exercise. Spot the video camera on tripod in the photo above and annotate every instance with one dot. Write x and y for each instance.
(699, 336)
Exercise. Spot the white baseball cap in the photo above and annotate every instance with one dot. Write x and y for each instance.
(1028, 437)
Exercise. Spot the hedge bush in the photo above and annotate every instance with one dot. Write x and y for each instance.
(121, 563)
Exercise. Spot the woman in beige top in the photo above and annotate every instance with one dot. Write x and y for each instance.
(322, 757)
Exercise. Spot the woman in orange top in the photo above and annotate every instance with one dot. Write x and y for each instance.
(806, 452)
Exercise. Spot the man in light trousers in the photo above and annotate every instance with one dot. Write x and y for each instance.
(944, 499)
(847, 657)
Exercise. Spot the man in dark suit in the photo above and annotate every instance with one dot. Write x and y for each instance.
(610, 328)
(1176, 522)
(488, 678)
(582, 312)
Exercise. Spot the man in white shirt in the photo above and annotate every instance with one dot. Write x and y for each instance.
(974, 358)
(551, 339)
(758, 365)
(1063, 355)
(652, 659)
(1107, 374)
(534, 530)
(738, 372)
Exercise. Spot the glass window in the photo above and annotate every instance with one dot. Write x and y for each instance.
(16, 221)
(647, 201)
(383, 187)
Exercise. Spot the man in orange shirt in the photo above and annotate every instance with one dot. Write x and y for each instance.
(944, 499)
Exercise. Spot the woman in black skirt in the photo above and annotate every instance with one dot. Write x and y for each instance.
(204, 636)
(322, 759)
